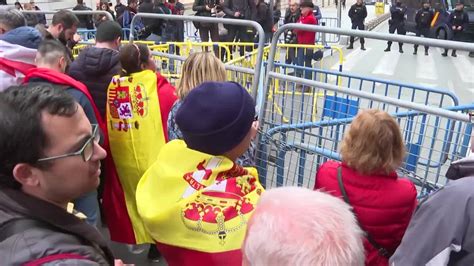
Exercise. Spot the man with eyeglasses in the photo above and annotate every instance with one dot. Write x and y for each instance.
(52, 61)
(49, 155)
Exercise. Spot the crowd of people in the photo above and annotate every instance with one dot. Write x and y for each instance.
(175, 167)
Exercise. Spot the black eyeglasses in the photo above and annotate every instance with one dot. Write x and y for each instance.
(86, 151)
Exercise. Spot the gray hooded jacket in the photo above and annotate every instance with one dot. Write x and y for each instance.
(442, 230)
(61, 239)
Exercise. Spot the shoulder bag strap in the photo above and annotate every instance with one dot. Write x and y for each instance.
(382, 251)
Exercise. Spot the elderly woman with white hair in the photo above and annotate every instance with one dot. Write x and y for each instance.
(297, 226)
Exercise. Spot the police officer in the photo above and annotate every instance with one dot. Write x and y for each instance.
(397, 22)
(357, 13)
(423, 19)
(458, 20)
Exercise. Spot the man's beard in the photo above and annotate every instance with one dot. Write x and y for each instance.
(62, 37)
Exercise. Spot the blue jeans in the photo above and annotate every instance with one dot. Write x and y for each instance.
(304, 58)
(88, 205)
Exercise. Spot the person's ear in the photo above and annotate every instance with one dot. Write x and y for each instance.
(26, 175)
(60, 27)
(118, 41)
(63, 63)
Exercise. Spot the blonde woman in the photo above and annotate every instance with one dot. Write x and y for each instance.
(371, 151)
(198, 68)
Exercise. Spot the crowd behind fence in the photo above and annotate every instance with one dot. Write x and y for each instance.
(302, 121)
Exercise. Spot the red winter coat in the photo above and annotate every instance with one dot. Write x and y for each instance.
(167, 97)
(306, 37)
(383, 204)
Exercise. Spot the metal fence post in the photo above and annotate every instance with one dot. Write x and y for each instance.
(239, 22)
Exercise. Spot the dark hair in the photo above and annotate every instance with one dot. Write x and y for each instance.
(132, 56)
(80, 2)
(65, 17)
(12, 19)
(129, 2)
(23, 138)
(108, 31)
(18, 4)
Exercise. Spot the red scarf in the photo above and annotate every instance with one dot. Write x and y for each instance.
(63, 79)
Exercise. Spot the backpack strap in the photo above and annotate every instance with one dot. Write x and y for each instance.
(382, 251)
(18, 225)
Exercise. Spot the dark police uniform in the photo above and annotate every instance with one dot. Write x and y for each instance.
(457, 18)
(423, 19)
(357, 13)
(397, 23)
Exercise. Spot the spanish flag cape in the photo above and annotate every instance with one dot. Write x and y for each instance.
(135, 135)
(196, 206)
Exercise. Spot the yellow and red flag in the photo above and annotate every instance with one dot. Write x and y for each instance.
(136, 136)
(196, 206)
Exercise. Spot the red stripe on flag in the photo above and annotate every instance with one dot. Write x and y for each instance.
(10, 66)
(177, 256)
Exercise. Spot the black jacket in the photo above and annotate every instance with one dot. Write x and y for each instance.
(200, 7)
(358, 13)
(264, 17)
(95, 67)
(459, 18)
(146, 8)
(461, 168)
(85, 21)
(119, 9)
(423, 18)
(398, 14)
(247, 8)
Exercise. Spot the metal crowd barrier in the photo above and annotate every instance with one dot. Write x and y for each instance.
(89, 35)
(190, 32)
(324, 21)
(397, 90)
(290, 151)
(77, 12)
(256, 70)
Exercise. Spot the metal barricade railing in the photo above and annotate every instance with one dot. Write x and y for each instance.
(234, 73)
(255, 70)
(76, 12)
(88, 35)
(190, 32)
(289, 152)
(324, 21)
(83, 44)
(328, 38)
(398, 90)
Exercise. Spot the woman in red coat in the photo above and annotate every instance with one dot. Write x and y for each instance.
(383, 203)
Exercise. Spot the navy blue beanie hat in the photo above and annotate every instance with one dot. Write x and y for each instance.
(215, 117)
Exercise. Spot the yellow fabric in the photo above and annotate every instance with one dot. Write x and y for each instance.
(197, 201)
(135, 133)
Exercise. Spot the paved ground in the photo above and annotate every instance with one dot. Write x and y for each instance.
(447, 73)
